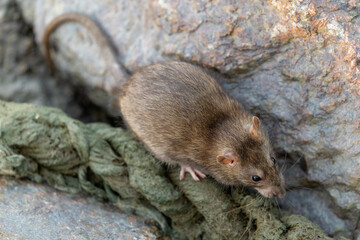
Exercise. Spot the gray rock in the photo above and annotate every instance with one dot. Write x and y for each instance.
(293, 63)
(317, 205)
(24, 76)
(34, 211)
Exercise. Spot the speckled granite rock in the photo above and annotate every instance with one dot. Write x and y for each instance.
(34, 211)
(295, 64)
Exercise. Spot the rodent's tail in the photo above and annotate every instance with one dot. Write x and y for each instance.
(117, 70)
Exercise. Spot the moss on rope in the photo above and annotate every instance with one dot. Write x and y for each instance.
(45, 145)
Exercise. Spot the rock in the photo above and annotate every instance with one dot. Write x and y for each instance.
(317, 206)
(24, 76)
(295, 64)
(34, 211)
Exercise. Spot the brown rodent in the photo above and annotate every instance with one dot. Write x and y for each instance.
(184, 117)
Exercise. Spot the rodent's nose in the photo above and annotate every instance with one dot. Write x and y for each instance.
(281, 193)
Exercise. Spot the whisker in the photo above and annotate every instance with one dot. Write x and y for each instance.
(244, 206)
(291, 204)
(293, 164)
(268, 202)
(284, 164)
(233, 210)
(277, 203)
(292, 188)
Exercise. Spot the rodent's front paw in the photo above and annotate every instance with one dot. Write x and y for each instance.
(194, 173)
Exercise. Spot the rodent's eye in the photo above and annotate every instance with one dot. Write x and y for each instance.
(256, 178)
(273, 159)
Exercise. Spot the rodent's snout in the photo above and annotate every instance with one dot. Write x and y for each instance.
(272, 192)
(280, 194)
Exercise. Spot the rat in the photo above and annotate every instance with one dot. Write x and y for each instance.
(184, 117)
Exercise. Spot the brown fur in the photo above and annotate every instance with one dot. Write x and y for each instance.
(184, 117)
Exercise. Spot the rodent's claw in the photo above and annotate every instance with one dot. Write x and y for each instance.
(200, 174)
(194, 173)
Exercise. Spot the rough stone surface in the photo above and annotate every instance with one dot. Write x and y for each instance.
(39, 212)
(24, 76)
(295, 64)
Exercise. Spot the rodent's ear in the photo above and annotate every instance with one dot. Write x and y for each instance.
(229, 158)
(254, 129)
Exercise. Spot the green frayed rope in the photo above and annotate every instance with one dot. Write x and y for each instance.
(45, 145)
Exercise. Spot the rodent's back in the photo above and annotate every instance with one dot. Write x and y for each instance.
(173, 107)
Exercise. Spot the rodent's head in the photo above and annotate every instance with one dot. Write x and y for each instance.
(251, 162)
